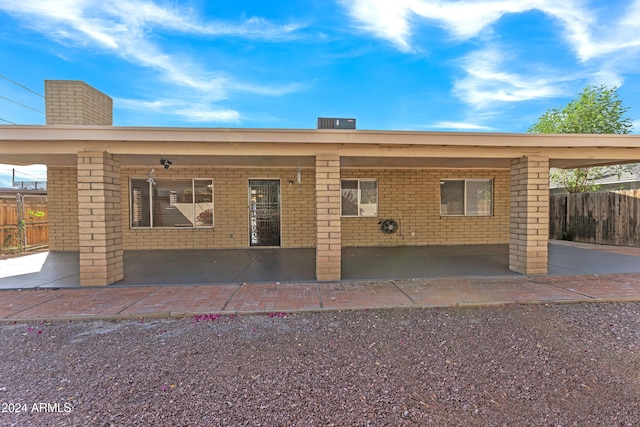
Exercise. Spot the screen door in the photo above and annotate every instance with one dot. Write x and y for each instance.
(264, 212)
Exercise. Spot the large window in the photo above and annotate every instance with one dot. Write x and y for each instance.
(471, 197)
(359, 197)
(171, 203)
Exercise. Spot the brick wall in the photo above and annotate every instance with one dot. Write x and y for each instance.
(298, 209)
(412, 198)
(230, 199)
(528, 246)
(62, 189)
(72, 102)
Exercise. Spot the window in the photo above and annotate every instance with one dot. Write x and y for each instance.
(359, 197)
(171, 203)
(470, 197)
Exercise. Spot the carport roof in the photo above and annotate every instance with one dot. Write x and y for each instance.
(57, 145)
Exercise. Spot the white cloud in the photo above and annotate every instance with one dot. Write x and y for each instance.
(589, 33)
(488, 76)
(126, 28)
(275, 90)
(617, 34)
(458, 125)
(137, 104)
(485, 83)
(607, 77)
(607, 40)
(145, 13)
(386, 19)
(208, 116)
(191, 110)
(463, 19)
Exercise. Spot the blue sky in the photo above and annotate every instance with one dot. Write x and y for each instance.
(487, 66)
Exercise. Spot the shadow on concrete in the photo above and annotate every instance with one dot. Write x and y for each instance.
(425, 262)
(218, 266)
(173, 267)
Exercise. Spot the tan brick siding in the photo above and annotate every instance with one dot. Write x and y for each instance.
(412, 198)
(62, 189)
(230, 199)
(71, 102)
(529, 231)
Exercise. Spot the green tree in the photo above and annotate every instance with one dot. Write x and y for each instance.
(597, 109)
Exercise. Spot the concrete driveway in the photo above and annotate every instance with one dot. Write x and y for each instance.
(188, 267)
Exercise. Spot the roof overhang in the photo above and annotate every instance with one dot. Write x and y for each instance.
(58, 145)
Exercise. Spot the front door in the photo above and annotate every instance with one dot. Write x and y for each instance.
(264, 212)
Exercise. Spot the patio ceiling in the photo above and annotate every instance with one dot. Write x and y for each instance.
(275, 161)
(308, 161)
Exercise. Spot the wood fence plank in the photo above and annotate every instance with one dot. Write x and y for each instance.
(36, 227)
(608, 218)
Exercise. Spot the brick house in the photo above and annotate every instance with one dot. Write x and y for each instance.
(123, 188)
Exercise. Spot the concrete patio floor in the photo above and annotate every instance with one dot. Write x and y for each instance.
(218, 266)
(453, 276)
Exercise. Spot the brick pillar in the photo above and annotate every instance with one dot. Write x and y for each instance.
(99, 219)
(328, 238)
(529, 222)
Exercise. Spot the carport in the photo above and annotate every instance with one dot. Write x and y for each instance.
(137, 204)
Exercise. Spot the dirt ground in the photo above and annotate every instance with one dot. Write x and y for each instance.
(524, 365)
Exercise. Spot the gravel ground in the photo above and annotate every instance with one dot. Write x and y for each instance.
(529, 365)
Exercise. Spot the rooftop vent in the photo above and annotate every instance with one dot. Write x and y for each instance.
(333, 123)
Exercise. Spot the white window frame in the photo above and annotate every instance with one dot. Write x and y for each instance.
(151, 184)
(360, 212)
(464, 200)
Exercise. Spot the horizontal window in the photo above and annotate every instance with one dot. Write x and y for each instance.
(470, 197)
(171, 203)
(359, 197)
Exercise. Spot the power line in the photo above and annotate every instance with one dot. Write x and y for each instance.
(22, 174)
(7, 121)
(22, 105)
(22, 86)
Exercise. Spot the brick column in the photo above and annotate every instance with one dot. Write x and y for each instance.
(529, 222)
(328, 235)
(99, 219)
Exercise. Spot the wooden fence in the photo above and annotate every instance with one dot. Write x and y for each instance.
(607, 217)
(24, 223)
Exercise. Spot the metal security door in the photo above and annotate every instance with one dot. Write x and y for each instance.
(264, 212)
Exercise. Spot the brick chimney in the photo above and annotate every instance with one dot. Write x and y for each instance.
(73, 102)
